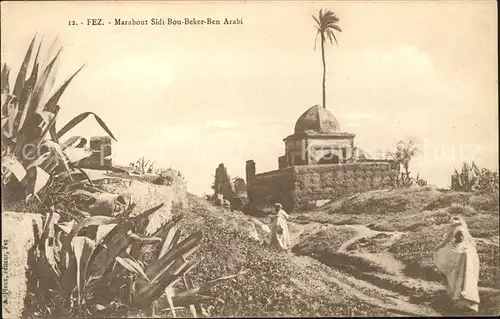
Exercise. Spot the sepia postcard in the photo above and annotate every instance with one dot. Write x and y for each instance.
(169, 159)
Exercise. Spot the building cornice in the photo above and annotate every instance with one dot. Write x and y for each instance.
(301, 135)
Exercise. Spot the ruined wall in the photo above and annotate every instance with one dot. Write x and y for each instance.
(274, 186)
(318, 182)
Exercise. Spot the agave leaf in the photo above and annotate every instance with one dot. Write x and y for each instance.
(58, 154)
(52, 102)
(144, 239)
(170, 303)
(39, 161)
(114, 243)
(144, 216)
(77, 154)
(36, 178)
(23, 109)
(27, 93)
(139, 248)
(50, 52)
(13, 110)
(47, 128)
(4, 79)
(126, 213)
(77, 119)
(171, 239)
(129, 263)
(43, 84)
(21, 76)
(102, 231)
(72, 140)
(35, 63)
(91, 221)
(14, 166)
(8, 104)
(158, 266)
(66, 227)
(46, 248)
(190, 266)
(82, 248)
(146, 293)
(195, 308)
(207, 285)
(52, 129)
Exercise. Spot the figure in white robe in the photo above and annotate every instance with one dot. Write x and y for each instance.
(457, 258)
(280, 236)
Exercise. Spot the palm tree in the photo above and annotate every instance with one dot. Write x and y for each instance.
(326, 23)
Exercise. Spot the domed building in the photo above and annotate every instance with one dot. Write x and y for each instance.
(320, 163)
(317, 140)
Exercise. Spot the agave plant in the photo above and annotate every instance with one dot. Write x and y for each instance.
(420, 181)
(143, 166)
(471, 178)
(89, 270)
(31, 147)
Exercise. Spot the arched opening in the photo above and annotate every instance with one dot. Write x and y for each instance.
(329, 158)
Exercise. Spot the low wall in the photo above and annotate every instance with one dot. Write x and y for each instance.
(147, 195)
(270, 187)
(18, 237)
(319, 182)
(296, 186)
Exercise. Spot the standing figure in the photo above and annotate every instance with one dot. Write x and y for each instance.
(280, 237)
(457, 258)
(222, 183)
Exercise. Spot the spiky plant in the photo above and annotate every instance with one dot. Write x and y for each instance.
(31, 149)
(90, 271)
(471, 178)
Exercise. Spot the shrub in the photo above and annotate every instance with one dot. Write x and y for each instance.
(463, 210)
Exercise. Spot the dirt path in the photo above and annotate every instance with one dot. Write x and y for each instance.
(394, 302)
(389, 287)
(369, 293)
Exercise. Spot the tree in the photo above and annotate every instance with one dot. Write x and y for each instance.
(326, 24)
(405, 151)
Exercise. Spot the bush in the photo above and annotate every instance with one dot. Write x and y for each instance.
(462, 210)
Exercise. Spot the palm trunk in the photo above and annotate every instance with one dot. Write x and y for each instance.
(324, 68)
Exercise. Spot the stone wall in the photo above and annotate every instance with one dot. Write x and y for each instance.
(18, 237)
(147, 195)
(270, 187)
(297, 186)
(319, 182)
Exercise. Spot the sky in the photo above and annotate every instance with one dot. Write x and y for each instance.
(190, 96)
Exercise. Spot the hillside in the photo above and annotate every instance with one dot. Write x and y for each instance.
(386, 238)
(367, 255)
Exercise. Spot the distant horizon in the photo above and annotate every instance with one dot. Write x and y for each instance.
(191, 97)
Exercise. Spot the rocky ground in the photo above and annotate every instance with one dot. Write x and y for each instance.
(367, 255)
(387, 257)
(343, 263)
